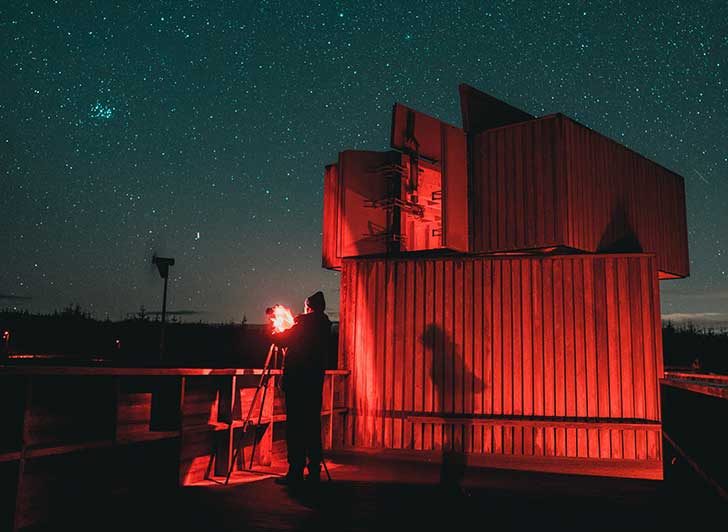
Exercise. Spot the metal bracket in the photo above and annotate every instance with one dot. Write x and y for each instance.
(415, 209)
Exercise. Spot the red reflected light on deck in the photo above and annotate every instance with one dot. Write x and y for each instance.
(281, 318)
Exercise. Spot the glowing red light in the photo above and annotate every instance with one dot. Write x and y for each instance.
(281, 318)
(6, 336)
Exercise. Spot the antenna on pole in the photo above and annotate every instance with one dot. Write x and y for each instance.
(163, 264)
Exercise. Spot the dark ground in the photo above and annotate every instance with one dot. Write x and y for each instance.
(370, 493)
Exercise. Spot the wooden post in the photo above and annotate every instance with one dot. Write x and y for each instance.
(166, 404)
(180, 417)
(224, 440)
(330, 445)
(116, 384)
(23, 448)
(265, 443)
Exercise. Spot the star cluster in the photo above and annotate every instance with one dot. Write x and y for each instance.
(200, 130)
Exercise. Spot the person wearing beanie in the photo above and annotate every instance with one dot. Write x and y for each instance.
(316, 302)
(307, 352)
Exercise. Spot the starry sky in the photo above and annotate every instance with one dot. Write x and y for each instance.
(200, 130)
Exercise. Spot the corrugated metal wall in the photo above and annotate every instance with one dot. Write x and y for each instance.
(531, 357)
(553, 182)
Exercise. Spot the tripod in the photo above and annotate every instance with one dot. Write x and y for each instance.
(247, 422)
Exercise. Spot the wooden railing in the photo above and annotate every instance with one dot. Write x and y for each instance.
(694, 407)
(76, 429)
(705, 383)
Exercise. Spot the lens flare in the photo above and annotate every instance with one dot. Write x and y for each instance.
(281, 318)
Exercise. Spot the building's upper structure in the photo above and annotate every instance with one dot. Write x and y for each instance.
(506, 182)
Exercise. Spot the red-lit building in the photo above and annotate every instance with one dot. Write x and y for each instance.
(499, 290)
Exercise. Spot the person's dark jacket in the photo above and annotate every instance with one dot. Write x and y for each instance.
(307, 354)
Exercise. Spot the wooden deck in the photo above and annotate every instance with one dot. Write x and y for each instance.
(71, 437)
(369, 492)
(110, 463)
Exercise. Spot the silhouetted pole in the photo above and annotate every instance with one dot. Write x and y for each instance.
(164, 318)
(163, 264)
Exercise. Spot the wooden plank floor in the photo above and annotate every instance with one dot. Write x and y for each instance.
(371, 493)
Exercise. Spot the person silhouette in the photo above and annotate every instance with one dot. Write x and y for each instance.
(304, 366)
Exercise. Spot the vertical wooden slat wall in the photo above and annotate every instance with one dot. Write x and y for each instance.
(614, 192)
(540, 360)
(515, 188)
(329, 245)
(554, 182)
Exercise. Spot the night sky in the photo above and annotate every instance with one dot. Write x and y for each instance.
(200, 131)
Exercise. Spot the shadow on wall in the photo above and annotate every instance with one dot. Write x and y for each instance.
(446, 356)
(619, 236)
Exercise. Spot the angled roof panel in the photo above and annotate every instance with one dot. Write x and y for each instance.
(482, 111)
